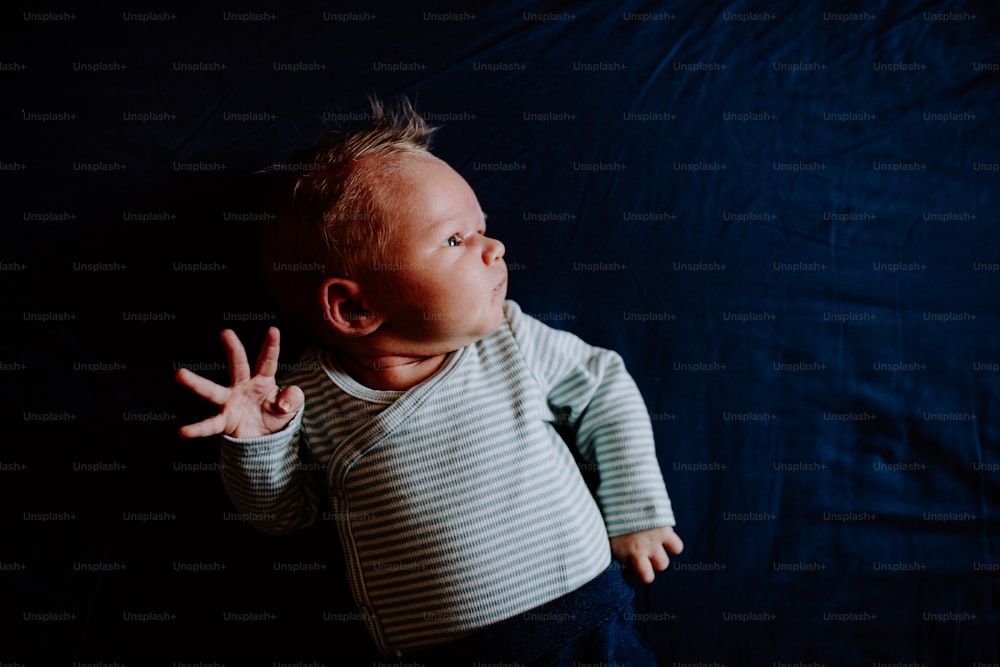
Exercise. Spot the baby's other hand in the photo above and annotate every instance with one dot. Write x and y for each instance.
(645, 551)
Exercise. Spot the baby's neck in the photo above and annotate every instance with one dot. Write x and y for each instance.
(392, 373)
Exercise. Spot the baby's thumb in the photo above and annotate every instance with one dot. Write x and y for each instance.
(290, 400)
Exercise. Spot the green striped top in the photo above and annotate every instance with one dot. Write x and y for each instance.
(458, 502)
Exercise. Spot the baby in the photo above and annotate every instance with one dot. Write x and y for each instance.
(442, 424)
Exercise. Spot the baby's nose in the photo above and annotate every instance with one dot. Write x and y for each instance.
(493, 250)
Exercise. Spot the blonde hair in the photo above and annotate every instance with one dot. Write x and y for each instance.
(332, 215)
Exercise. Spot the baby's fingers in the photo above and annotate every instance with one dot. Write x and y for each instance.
(290, 400)
(267, 360)
(673, 543)
(206, 427)
(204, 387)
(280, 412)
(239, 367)
(642, 569)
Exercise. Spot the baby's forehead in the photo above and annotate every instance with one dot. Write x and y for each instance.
(402, 182)
(389, 178)
(414, 191)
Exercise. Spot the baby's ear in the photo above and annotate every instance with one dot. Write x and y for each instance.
(343, 309)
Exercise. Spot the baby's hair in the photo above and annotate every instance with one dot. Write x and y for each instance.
(332, 215)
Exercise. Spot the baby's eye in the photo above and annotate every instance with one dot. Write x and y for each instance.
(454, 240)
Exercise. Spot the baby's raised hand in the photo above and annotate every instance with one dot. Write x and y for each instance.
(253, 405)
(645, 551)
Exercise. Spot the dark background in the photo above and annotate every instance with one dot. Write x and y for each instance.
(783, 216)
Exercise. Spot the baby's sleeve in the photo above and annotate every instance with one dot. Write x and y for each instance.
(600, 407)
(265, 479)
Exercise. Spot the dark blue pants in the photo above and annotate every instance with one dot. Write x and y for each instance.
(590, 625)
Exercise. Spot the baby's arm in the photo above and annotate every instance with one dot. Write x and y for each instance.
(265, 480)
(259, 423)
(601, 408)
(614, 431)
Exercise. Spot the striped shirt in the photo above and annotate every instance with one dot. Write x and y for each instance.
(458, 502)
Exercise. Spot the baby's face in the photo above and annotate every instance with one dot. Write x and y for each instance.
(447, 280)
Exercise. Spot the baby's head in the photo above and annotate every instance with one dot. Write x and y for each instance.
(379, 247)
